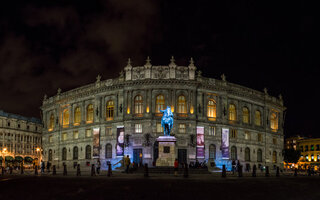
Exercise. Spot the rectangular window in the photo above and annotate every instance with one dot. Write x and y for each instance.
(75, 134)
(247, 135)
(312, 147)
(64, 136)
(138, 128)
(159, 128)
(182, 128)
(108, 131)
(274, 141)
(233, 133)
(88, 132)
(212, 130)
(259, 137)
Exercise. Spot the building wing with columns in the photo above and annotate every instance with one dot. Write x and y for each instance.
(213, 119)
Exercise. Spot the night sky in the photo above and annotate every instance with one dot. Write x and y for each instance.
(45, 45)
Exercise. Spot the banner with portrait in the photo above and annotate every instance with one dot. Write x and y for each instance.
(120, 140)
(96, 143)
(225, 143)
(200, 142)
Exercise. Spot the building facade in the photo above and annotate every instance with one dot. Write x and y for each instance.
(121, 116)
(310, 153)
(20, 137)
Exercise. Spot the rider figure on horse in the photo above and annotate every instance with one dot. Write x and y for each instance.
(167, 120)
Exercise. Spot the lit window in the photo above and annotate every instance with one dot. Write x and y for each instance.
(138, 128)
(159, 128)
(232, 112)
(75, 134)
(77, 116)
(274, 121)
(51, 123)
(312, 157)
(211, 109)
(182, 128)
(88, 132)
(110, 110)
(182, 106)
(212, 130)
(138, 102)
(108, 131)
(64, 136)
(257, 119)
(259, 137)
(245, 115)
(233, 133)
(65, 117)
(247, 135)
(90, 113)
(159, 103)
(312, 147)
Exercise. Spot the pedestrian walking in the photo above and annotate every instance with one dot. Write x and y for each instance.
(233, 166)
(42, 165)
(127, 163)
(93, 170)
(176, 167)
(98, 166)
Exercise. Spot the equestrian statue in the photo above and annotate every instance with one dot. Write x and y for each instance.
(167, 120)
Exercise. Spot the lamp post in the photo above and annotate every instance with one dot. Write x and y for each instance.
(38, 154)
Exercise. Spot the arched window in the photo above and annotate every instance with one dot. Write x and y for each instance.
(257, 119)
(66, 117)
(90, 113)
(234, 153)
(64, 153)
(182, 105)
(51, 123)
(245, 115)
(75, 153)
(50, 155)
(212, 151)
(138, 102)
(110, 110)
(212, 109)
(247, 154)
(274, 157)
(232, 112)
(274, 121)
(88, 152)
(159, 103)
(77, 116)
(108, 151)
(259, 155)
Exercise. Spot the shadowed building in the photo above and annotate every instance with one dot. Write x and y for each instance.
(213, 119)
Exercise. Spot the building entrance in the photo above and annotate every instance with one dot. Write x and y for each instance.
(137, 156)
(182, 156)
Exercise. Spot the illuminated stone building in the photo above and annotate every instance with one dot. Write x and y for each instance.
(109, 118)
(310, 153)
(20, 137)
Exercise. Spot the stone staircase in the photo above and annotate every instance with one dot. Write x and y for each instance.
(170, 170)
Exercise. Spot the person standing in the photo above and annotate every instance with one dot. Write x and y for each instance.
(233, 166)
(176, 167)
(127, 163)
(42, 166)
(98, 166)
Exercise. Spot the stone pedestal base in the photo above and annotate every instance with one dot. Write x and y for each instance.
(167, 151)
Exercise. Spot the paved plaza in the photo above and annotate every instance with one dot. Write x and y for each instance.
(158, 186)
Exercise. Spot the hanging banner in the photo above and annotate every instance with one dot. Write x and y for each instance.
(225, 143)
(96, 143)
(120, 141)
(200, 142)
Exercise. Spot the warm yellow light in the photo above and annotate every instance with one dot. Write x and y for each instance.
(147, 110)
(172, 108)
(128, 110)
(4, 149)
(38, 149)
(191, 109)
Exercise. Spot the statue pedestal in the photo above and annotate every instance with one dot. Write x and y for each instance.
(167, 151)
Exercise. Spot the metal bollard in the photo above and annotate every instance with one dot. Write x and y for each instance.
(254, 171)
(224, 172)
(146, 170)
(267, 171)
(295, 172)
(185, 172)
(109, 170)
(278, 172)
(36, 170)
(54, 171)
